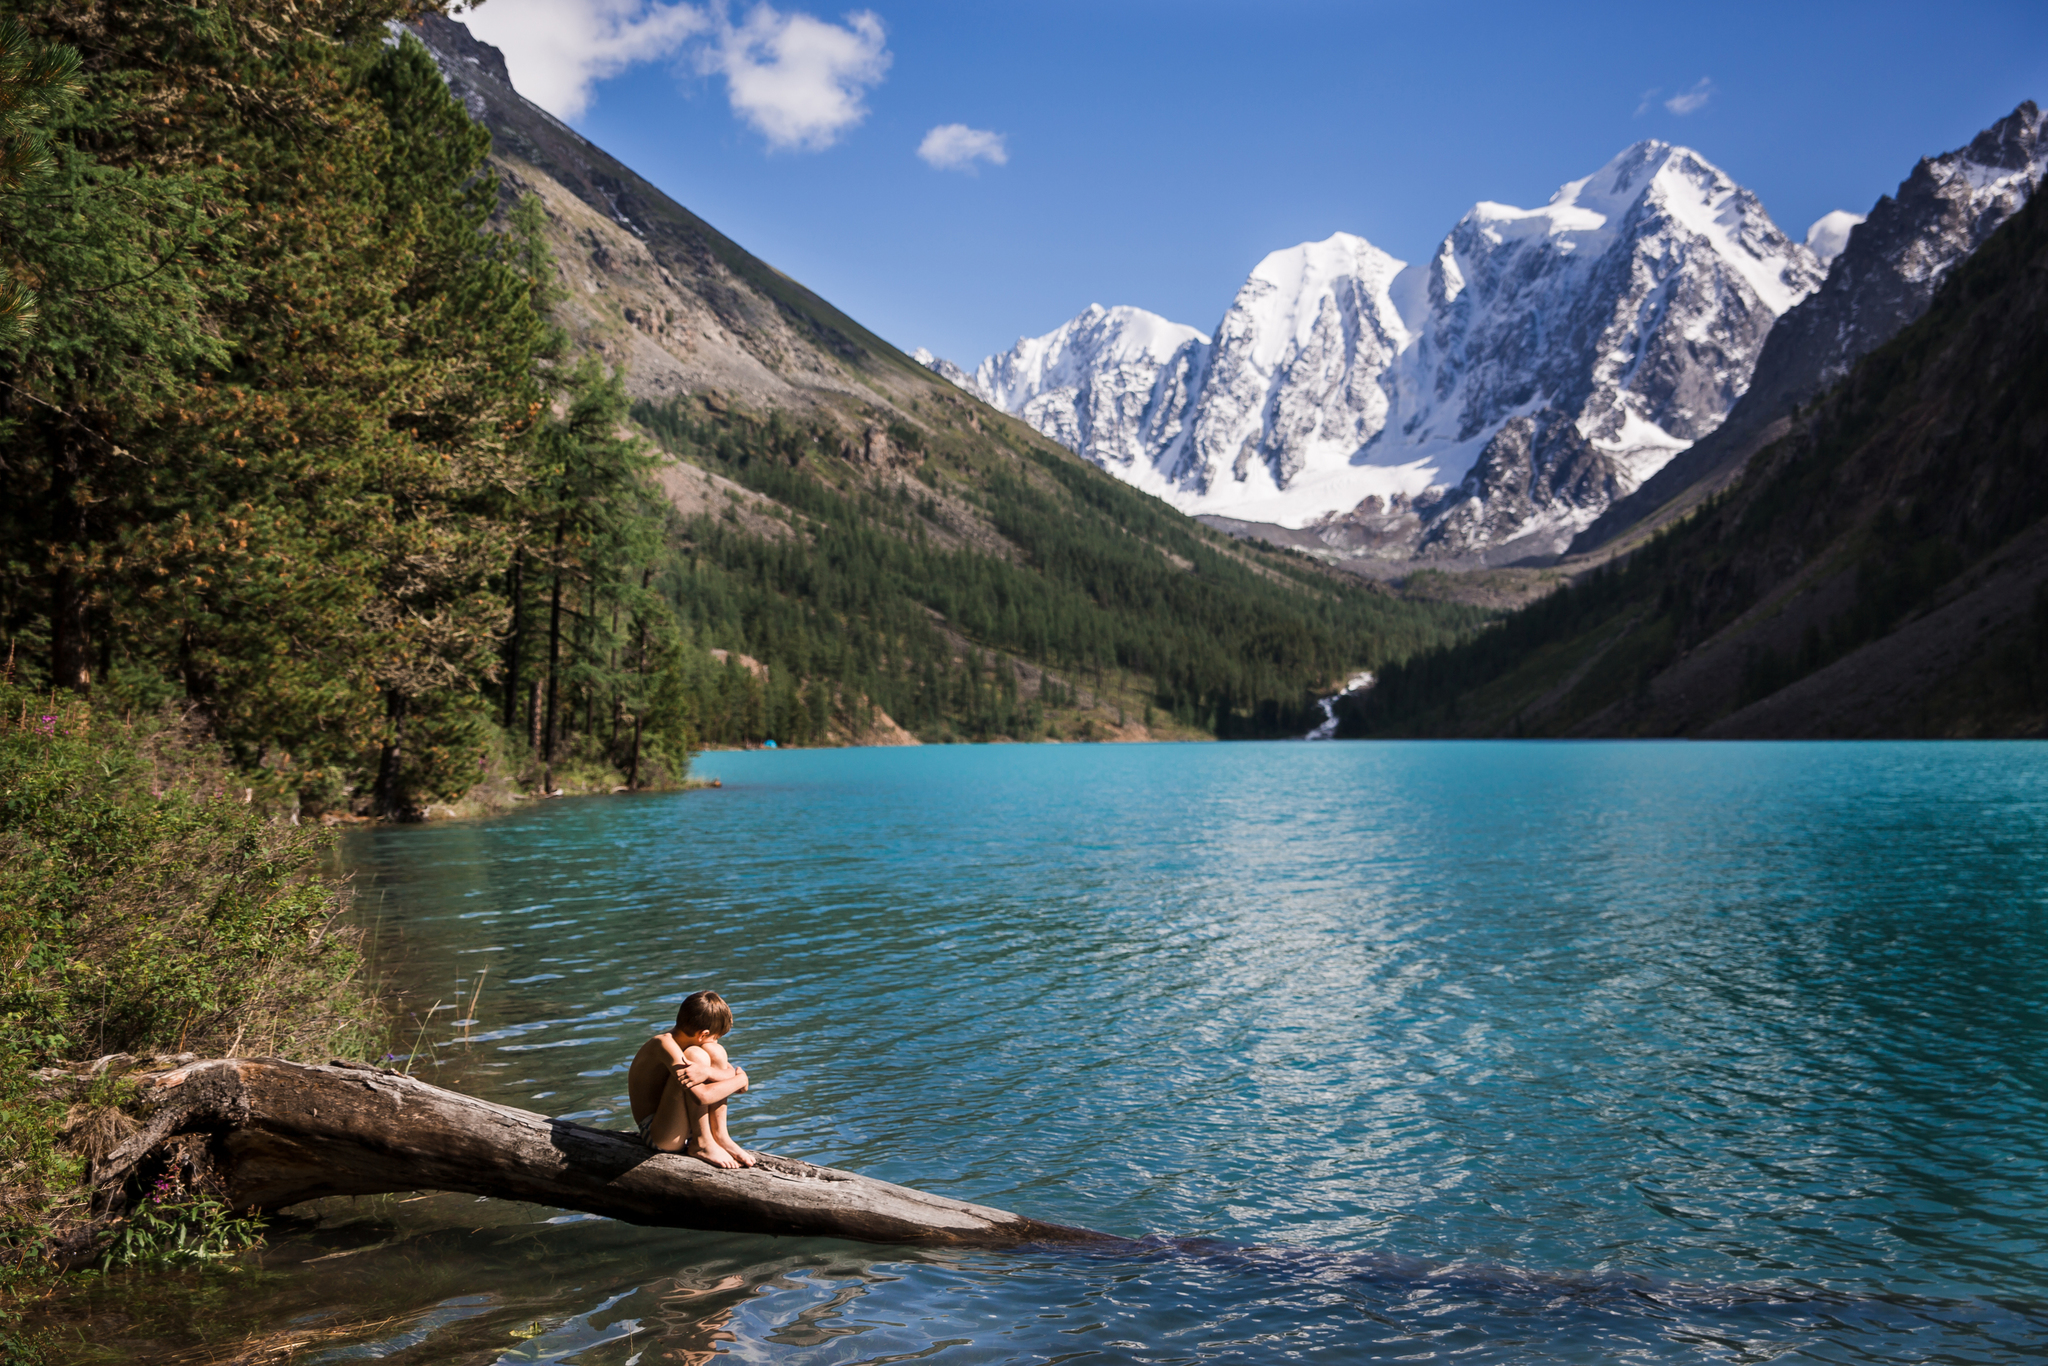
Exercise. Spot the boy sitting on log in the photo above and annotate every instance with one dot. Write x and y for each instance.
(679, 1083)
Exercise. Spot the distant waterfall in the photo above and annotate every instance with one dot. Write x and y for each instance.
(1358, 682)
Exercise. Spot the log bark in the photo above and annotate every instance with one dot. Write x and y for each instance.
(268, 1133)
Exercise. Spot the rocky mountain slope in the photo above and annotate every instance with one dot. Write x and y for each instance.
(1490, 402)
(1879, 570)
(1880, 279)
(655, 289)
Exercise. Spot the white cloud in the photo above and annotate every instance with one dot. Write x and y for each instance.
(799, 81)
(956, 147)
(1686, 101)
(556, 50)
(796, 79)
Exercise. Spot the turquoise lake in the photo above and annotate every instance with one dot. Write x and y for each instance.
(1472, 1052)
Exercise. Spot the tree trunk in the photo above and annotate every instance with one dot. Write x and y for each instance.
(613, 670)
(516, 645)
(586, 635)
(70, 640)
(640, 681)
(386, 790)
(268, 1133)
(547, 781)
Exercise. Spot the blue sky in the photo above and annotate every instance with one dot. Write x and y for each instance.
(1154, 152)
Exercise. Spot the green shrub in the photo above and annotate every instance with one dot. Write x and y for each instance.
(146, 906)
(175, 1227)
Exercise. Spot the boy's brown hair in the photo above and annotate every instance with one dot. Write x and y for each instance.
(704, 1010)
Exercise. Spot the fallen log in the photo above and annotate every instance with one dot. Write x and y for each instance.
(266, 1134)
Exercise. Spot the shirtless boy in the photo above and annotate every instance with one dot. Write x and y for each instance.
(679, 1083)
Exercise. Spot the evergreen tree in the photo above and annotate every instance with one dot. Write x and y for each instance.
(274, 456)
(34, 78)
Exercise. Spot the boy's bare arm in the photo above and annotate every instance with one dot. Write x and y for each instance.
(674, 1057)
(708, 1081)
(714, 1066)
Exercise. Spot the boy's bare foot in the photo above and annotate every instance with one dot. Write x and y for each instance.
(712, 1153)
(745, 1158)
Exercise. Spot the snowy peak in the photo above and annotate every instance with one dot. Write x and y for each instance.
(2012, 148)
(1293, 378)
(1623, 317)
(1973, 190)
(1283, 300)
(1587, 217)
(1068, 354)
(1113, 383)
(1830, 233)
(945, 370)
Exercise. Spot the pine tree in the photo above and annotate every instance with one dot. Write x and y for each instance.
(34, 79)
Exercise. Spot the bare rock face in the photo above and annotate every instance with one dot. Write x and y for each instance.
(1898, 256)
(1883, 279)
(649, 285)
(1534, 470)
(879, 452)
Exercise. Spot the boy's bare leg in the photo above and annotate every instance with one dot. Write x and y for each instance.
(703, 1136)
(725, 1138)
(671, 1125)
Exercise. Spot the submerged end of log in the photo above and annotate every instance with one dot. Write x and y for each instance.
(268, 1133)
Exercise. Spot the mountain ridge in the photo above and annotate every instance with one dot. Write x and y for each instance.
(1356, 394)
(1891, 262)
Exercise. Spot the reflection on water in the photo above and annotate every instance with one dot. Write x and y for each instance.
(1495, 1052)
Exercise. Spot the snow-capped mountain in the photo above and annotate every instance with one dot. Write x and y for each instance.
(1884, 272)
(1830, 233)
(1543, 362)
(1292, 381)
(1571, 350)
(1112, 384)
(944, 369)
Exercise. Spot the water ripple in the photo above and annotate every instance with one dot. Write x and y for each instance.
(1487, 1051)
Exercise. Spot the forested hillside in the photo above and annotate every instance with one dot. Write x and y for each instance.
(986, 593)
(1880, 571)
(329, 425)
